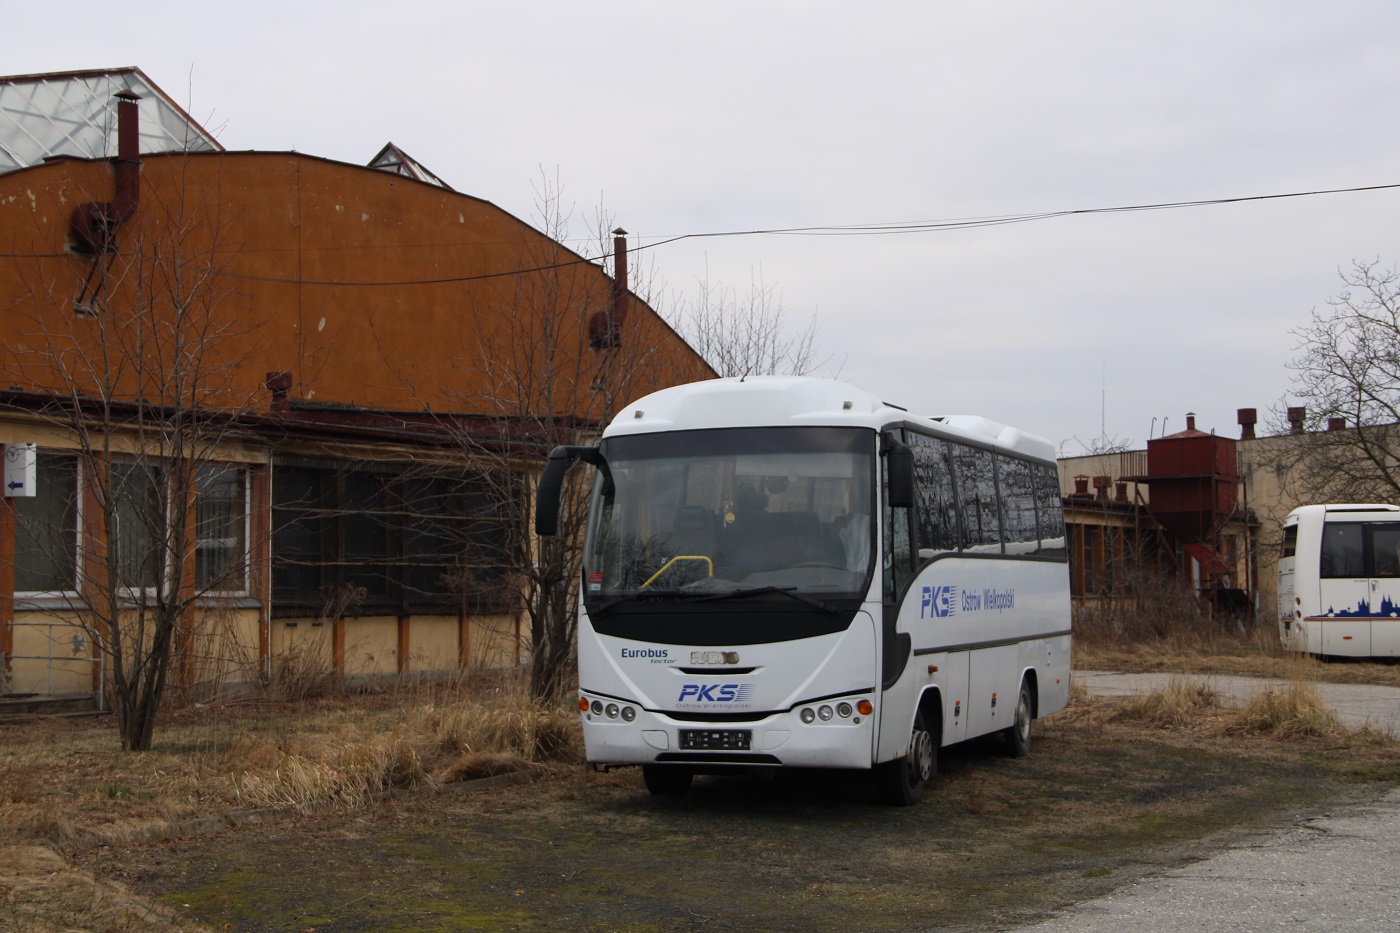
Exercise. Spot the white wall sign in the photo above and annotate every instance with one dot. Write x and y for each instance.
(21, 469)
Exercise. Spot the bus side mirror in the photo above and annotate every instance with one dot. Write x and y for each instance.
(899, 468)
(551, 487)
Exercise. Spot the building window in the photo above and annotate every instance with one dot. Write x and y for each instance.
(221, 530)
(138, 511)
(46, 528)
(357, 541)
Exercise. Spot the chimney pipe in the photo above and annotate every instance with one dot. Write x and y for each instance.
(605, 327)
(1336, 424)
(1101, 484)
(94, 223)
(1081, 485)
(128, 157)
(1247, 418)
(279, 384)
(1190, 421)
(1296, 417)
(1121, 492)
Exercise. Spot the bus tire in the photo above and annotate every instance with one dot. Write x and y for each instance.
(902, 781)
(667, 780)
(1017, 736)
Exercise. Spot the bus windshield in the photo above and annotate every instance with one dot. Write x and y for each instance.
(733, 512)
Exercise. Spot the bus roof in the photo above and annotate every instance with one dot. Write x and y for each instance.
(762, 401)
(1339, 508)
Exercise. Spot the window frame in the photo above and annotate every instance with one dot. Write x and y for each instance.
(245, 555)
(77, 529)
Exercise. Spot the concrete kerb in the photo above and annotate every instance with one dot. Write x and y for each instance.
(207, 825)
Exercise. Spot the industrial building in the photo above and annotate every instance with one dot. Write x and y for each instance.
(1206, 507)
(358, 346)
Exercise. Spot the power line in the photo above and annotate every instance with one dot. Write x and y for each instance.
(859, 229)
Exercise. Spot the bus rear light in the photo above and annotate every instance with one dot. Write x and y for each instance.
(865, 707)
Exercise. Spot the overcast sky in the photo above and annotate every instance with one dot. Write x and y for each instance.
(728, 116)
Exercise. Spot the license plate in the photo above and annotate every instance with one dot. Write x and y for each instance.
(715, 739)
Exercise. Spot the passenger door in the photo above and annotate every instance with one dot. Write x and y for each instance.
(1345, 590)
(1384, 545)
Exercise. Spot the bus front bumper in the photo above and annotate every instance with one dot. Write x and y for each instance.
(829, 740)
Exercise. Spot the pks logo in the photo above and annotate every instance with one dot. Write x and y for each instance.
(939, 601)
(715, 693)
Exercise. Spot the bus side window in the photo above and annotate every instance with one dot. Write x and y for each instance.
(938, 507)
(1016, 484)
(1385, 550)
(1342, 554)
(978, 491)
(1049, 511)
(1290, 541)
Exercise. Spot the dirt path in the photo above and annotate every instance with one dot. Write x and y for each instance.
(997, 843)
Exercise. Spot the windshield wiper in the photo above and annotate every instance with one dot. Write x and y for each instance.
(634, 597)
(788, 591)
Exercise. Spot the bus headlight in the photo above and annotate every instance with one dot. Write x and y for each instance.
(824, 713)
(597, 707)
(612, 710)
(628, 714)
(807, 715)
(844, 710)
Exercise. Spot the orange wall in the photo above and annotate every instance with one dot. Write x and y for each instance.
(315, 260)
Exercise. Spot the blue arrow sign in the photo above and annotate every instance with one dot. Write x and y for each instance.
(16, 485)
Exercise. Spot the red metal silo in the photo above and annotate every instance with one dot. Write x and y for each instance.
(1194, 483)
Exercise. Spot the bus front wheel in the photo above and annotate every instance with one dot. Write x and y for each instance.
(902, 781)
(1018, 735)
(667, 780)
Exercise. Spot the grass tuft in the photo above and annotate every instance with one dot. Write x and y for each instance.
(1285, 712)
(1180, 703)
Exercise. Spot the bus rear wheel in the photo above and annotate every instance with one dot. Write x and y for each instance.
(902, 781)
(667, 780)
(1017, 736)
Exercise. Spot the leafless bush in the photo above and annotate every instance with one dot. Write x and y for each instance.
(1156, 613)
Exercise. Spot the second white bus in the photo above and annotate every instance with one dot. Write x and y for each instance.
(1339, 581)
(788, 572)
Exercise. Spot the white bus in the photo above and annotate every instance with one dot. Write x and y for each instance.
(788, 572)
(1339, 581)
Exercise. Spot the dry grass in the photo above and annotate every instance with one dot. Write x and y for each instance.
(63, 781)
(1180, 703)
(1286, 712)
(1293, 711)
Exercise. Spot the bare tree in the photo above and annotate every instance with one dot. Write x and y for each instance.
(560, 356)
(746, 334)
(141, 373)
(1347, 376)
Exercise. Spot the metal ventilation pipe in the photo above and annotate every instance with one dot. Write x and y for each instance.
(605, 327)
(1247, 418)
(94, 223)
